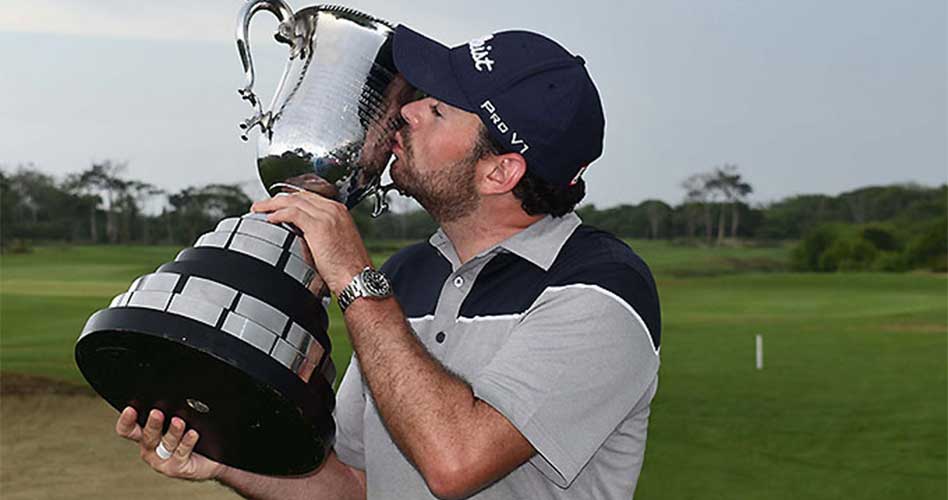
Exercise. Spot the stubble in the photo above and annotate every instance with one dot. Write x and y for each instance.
(448, 193)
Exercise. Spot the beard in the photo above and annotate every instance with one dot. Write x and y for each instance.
(448, 194)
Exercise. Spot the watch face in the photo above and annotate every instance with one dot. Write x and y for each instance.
(376, 284)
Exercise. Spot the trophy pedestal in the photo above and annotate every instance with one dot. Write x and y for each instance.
(228, 338)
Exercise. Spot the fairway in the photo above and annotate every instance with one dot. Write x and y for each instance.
(851, 402)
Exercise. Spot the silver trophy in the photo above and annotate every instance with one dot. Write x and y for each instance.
(330, 126)
(231, 336)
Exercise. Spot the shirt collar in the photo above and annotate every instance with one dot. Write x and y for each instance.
(539, 243)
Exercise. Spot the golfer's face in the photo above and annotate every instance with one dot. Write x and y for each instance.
(436, 135)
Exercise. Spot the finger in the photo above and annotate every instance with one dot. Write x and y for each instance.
(259, 206)
(190, 439)
(151, 434)
(303, 219)
(298, 199)
(171, 438)
(268, 205)
(316, 205)
(319, 202)
(127, 425)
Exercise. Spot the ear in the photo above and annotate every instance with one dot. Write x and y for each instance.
(503, 172)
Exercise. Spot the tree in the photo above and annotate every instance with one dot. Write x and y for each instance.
(725, 182)
(718, 187)
(698, 194)
(83, 186)
(102, 179)
(794, 216)
(198, 209)
(9, 201)
(39, 207)
(141, 193)
(735, 191)
(658, 213)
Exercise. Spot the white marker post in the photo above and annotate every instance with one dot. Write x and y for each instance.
(760, 352)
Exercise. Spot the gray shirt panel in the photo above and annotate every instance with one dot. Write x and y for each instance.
(577, 367)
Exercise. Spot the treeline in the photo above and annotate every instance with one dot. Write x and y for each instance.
(787, 219)
(881, 227)
(100, 205)
(874, 247)
(713, 215)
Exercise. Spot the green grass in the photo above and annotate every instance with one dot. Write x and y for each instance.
(851, 402)
(46, 296)
(684, 260)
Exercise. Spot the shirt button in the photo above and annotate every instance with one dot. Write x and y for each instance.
(440, 337)
(458, 282)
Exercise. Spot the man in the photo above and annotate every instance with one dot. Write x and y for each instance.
(519, 355)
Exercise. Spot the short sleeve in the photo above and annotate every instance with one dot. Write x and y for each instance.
(349, 415)
(575, 366)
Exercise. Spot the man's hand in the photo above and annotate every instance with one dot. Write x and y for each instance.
(182, 463)
(329, 231)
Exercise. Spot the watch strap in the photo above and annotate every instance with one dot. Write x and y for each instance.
(368, 283)
(351, 292)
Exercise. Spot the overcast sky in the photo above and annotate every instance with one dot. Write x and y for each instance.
(805, 96)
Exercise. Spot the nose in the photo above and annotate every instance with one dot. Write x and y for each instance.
(412, 112)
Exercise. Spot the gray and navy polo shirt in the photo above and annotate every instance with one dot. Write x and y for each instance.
(558, 328)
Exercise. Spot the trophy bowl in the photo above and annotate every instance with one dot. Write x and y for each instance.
(231, 336)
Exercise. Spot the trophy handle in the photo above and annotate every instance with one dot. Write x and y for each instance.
(381, 201)
(285, 34)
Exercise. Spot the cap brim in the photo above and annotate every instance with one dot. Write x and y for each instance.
(426, 64)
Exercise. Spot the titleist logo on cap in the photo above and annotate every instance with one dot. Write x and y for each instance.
(480, 51)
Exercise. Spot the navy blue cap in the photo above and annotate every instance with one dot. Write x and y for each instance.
(534, 97)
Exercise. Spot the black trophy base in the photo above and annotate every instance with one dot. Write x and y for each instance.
(251, 412)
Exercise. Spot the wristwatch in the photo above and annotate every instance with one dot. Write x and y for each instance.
(368, 283)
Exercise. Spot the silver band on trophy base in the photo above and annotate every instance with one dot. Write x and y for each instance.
(231, 336)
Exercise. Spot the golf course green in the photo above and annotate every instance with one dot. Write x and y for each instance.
(850, 403)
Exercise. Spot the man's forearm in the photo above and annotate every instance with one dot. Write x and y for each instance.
(334, 480)
(426, 409)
